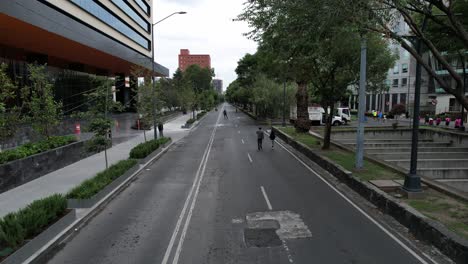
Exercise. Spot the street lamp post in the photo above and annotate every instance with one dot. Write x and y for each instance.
(153, 71)
(412, 183)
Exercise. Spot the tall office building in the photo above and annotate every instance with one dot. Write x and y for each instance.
(218, 85)
(186, 59)
(76, 38)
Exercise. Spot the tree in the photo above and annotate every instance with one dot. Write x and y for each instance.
(311, 43)
(447, 31)
(10, 113)
(44, 112)
(99, 104)
(288, 32)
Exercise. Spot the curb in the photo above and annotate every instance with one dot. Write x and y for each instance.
(420, 226)
(51, 244)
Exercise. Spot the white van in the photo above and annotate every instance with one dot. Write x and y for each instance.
(317, 114)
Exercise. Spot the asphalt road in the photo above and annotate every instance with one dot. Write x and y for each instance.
(213, 198)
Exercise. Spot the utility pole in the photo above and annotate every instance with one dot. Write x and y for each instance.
(362, 105)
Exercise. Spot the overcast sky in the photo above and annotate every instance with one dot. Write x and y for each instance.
(207, 28)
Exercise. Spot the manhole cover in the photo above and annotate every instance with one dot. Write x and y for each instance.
(261, 238)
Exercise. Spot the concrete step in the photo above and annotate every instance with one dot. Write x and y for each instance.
(432, 163)
(399, 144)
(459, 184)
(407, 148)
(421, 155)
(387, 140)
(444, 173)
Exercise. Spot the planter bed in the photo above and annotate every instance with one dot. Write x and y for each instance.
(32, 246)
(29, 229)
(18, 172)
(420, 226)
(75, 200)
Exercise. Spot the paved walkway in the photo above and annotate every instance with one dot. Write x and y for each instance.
(61, 181)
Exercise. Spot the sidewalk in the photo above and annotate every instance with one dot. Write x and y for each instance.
(62, 180)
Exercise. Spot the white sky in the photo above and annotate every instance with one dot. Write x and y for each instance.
(207, 28)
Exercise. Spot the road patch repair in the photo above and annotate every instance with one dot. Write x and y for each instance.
(270, 229)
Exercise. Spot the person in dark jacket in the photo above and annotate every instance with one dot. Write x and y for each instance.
(260, 137)
(272, 138)
(161, 128)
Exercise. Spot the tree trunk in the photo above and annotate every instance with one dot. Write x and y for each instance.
(302, 123)
(328, 126)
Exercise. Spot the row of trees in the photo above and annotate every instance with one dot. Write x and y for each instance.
(316, 44)
(188, 91)
(34, 105)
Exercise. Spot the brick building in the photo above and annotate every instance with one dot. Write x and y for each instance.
(186, 59)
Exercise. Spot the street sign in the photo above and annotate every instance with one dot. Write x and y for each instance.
(434, 101)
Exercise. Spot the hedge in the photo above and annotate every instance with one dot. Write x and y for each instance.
(190, 121)
(201, 114)
(92, 186)
(142, 150)
(30, 149)
(28, 222)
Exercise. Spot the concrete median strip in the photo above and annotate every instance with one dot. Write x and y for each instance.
(44, 243)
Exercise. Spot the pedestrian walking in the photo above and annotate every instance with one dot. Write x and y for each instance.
(272, 138)
(160, 129)
(374, 113)
(380, 115)
(438, 121)
(260, 137)
(426, 119)
(225, 114)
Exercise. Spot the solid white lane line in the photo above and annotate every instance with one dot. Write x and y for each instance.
(243, 141)
(403, 245)
(250, 158)
(184, 209)
(194, 200)
(266, 198)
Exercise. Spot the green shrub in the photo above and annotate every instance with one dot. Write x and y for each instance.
(30, 149)
(31, 220)
(201, 114)
(92, 186)
(190, 121)
(142, 150)
(98, 144)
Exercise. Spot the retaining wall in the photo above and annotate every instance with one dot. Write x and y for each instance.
(18, 172)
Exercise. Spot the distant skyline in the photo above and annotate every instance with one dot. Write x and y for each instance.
(207, 28)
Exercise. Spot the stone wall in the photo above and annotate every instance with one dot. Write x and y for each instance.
(18, 172)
